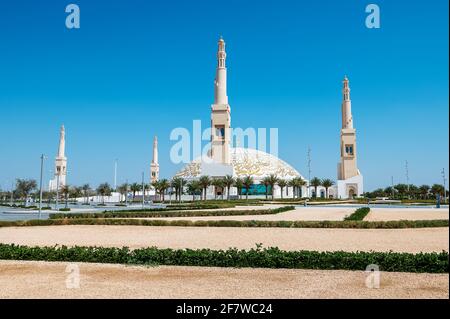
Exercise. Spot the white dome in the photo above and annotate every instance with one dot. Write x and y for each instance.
(255, 163)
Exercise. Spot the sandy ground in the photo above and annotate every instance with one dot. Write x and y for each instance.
(321, 239)
(49, 280)
(381, 214)
(302, 213)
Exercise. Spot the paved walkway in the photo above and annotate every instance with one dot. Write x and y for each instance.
(48, 280)
(321, 239)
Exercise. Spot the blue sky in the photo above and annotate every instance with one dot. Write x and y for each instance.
(141, 68)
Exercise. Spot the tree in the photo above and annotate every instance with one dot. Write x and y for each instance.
(135, 187)
(239, 184)
(65, 192)
(228, 181)
(273, 180)
(327, 183)
(424, 190)
(296, 183)
(164, 184)
(193, 188)
(402, 190)
(123, 190)
(248, 182)
(282, 183)
(315, 182)
(76, 192)
(177, 183)
(104, 190)
(437, 189)
(218, 184)
(24, 187)
(266, 182)
(86, 192)
(204, 181)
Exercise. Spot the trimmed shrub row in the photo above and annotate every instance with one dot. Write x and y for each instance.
(359, 214)
(232, 223)
(164, 213)
(256, 257)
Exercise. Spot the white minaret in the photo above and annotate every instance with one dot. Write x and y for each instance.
(154, 166)
(220, 111)
(60, 163)
(350, 181)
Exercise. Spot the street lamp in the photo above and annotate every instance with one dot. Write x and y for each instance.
(40, 186)
(143, 190)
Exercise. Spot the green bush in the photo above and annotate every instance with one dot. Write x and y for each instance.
(64, 209)
(359, 214)
(46, 208)
(179, 213)
(255, 258)
(232, 223)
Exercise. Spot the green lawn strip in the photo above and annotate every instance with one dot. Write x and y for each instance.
(395, 224)
(255, 258)
(165, 213)
(359, 214)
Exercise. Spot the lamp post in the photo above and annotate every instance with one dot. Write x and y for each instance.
(126, 193)
(115, 175)
(445, 191)
(40, 186)
(12, 193)
(143, 190)
(57, 192)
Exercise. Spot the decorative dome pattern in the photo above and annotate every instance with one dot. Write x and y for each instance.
(255, 163)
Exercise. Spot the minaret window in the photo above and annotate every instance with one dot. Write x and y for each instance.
(349, 149)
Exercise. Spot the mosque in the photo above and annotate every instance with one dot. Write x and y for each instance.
(223, 159)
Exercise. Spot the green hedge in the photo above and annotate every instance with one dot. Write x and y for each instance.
(64, 209)
(255, 258)
(359, 214)
(232, 223)
(164, 213)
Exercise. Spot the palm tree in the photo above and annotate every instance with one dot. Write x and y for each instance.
(24, 187)
(273, 180)
(86, 192)
(193, 187)
(177, 183)
(76, 192)
(248, 182)
(327, 183)
(65, 191)
(315, 182)
(228, 181)
(402, 190)
(266, 182)
(123, 190)
(282, 183)
(424, 191)
(204, 181)
(156, 186)
(217, 183)
(163, 186)
(437, 189)
(104, 190)
(239, 184)
(135, 187)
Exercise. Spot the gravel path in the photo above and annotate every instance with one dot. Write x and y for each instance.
(401, 240)
(380, 214)
(48, 280)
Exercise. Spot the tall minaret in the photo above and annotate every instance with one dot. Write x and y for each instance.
(60, 162)
(347, 167)
(154, 166)
(220, 111)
